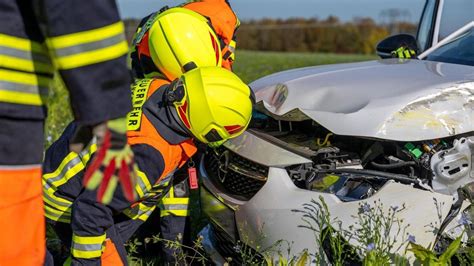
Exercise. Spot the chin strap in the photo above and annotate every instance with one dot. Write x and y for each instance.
(176, 123)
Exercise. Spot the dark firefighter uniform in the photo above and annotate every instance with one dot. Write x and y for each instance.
(159, 148)
(85, 44)
(223, 21)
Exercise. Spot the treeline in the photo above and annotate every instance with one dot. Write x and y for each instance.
(311, 35)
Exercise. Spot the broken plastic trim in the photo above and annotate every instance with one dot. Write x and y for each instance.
(372, 175)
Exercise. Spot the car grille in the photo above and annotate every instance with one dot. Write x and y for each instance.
(234, 174)
(223, 244)
(235, 254)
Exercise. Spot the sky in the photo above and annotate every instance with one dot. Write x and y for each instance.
(256, 9)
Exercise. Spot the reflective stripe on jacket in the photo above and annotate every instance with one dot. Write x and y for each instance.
(40, 38)
(157, 160)
(58, 205)
(172, 204)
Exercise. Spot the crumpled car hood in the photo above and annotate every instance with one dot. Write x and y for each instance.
(405, 100)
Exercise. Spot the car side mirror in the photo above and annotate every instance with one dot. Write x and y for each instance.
(392, 43)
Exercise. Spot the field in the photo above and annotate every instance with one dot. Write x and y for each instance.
(249, 66)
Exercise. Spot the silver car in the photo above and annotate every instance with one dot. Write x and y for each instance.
(394, 132)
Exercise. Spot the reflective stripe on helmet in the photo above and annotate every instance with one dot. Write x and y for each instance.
(234, 129)
(215, 99)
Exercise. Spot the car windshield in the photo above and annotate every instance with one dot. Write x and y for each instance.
(455, 14)
(458, 51)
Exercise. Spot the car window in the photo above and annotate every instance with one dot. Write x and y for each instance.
(456, 13)
(458, 51)
(425, 28)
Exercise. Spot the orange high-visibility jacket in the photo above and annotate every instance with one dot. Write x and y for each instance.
(159, 151)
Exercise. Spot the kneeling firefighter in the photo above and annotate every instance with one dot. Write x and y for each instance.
(205, 105)
(166, 44)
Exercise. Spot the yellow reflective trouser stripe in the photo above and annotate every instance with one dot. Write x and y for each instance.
(144, 188)
(76, 239)
(23, 88)
(87, 247)
(180, 213)
(56, 215)
(69, 167)
(139, 211)
(143, 185)
(174, 208)
(89, 47)
(72, 164)
(181, 201)
(156, 190)
(171, 205)
(57, 208)
(55, 201)
(163, 183)
(58, 203)
(146, 191)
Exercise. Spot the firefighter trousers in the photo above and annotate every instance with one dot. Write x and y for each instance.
(22, 226)
(114, 252)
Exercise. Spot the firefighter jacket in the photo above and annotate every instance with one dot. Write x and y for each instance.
(84, 43)
(176, 201)
(159, 151)
(218, 12)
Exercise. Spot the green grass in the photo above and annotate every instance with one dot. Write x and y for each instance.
(59, 111)
(251, 65)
